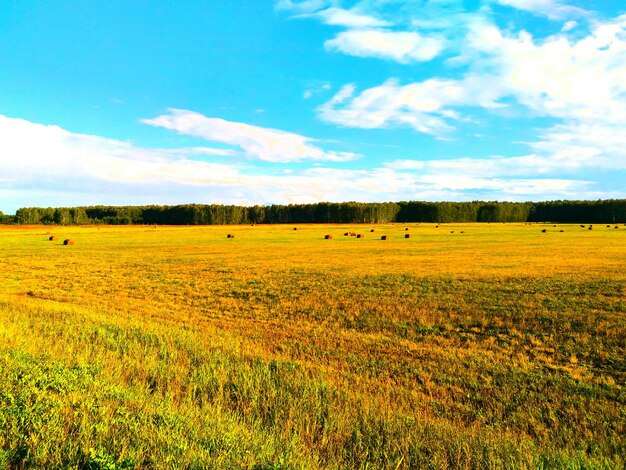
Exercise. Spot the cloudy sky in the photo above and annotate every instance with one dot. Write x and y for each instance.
(261, 101)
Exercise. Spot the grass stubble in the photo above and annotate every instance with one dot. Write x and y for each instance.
(175, 347)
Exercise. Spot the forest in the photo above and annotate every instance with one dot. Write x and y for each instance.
(600, 211)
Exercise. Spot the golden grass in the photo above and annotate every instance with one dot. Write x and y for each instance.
(501, 346)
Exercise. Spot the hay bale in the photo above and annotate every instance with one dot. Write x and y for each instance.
(608, 226)
(384, 237)
(554, 226)
(561, 231)
(328, 237)
(360, 235)
(52, 238)
(616, 226)
(230, 235)
(462, 231)
(346, 234)
(544, 231)
(451, 231)
(295, 228)
(582, 226)
(436, 226)
(67, 241)
(353, 234)
(590, 227)
(406, 229)
(372, 230)
(407, 235)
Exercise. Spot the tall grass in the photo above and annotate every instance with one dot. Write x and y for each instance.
(177, 348)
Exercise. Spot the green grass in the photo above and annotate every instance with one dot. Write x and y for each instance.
(178, 348)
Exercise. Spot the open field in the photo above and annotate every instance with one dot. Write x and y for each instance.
(175, 347)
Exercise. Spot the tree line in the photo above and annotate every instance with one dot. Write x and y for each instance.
(600, 211)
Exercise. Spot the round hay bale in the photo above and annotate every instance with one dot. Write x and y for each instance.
(384, 237)
(451, 231)
(544, 231)
(554, 225)
(608, 226)
(67, 241)
(360, 235)
(295, 228)
(353, 234)
(328, 237)
(616, 226)
(590, 227)
(230, 235)
(52, 238)
(462, 231)
(407, 235)
(372, 230)
(436, 226)
(406, 229)
(582, 226)
(561, 231)
(346, 234)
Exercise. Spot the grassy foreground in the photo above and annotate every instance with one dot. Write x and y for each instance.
(175, 347)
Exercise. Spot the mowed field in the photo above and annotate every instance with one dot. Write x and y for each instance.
(176, 347)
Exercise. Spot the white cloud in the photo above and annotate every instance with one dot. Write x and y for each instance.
(349, 18)
(576, 77)
(50, 166)
(581, 81)
(424, 106)
(569, 26)
(556, 77)
(270, 145)
(553, 9)
(379, 29)
(403, 47)
(36, 151)
(529, 188)
(588, 145)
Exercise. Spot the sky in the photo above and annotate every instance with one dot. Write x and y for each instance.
(296, 101)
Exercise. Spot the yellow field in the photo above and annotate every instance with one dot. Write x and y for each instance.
(500, 347)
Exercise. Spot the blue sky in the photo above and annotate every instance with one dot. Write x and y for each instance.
(286, 101)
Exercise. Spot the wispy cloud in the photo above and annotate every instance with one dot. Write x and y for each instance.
(372, 30)
(553, 9)
(48, 163)
(581, 83)
(349, 18)
(47, 152)
(557, 76)
(575, 78)
(424, 106)
(403, 47)
(270, 145)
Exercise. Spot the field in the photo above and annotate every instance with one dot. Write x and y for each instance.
(176, 347)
